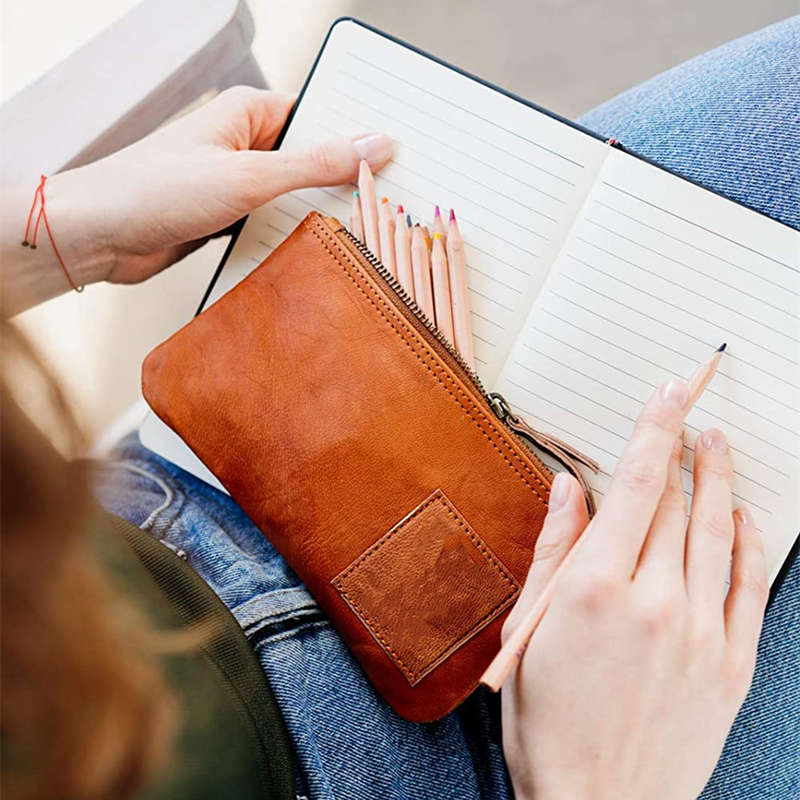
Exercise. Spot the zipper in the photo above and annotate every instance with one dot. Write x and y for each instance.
(494, 401)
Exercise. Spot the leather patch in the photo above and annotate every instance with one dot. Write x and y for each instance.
(426, 587)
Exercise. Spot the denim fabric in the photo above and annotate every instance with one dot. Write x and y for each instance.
(347, 742)
(729, 120)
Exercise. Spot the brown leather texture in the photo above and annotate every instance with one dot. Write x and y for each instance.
(366, 456)
(432, 554)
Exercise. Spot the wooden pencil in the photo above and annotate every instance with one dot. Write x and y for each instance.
(441, 288)
(369, 208)
(421, 269)
(702, 376)
(402, 252)
(438, 225)
(356, 220)
(456, 264)
(427, 234)
(386, 235)
(510, 654)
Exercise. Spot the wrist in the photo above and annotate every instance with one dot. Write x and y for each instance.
(75, 213)
(31, 274)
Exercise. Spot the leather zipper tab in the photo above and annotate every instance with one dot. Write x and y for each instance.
(562, 452)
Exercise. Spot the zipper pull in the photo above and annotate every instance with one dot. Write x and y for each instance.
(564, 453)
(500, 406)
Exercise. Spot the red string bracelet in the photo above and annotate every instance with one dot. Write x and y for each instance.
(38, 197)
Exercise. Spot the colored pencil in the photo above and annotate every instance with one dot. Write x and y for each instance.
(427, 234)
(421, 268)
(512, 651)
(438, 225)
(456, 264)
(356, 220)
(702, 376)
(369, 208)
(402, 252)
(386, 235)
(441, 288)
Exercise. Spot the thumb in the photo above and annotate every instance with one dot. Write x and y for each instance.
(566, 519)
(329, 163)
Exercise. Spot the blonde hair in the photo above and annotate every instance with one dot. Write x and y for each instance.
(86, 710)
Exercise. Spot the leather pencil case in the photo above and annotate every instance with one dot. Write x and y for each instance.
(368, 453)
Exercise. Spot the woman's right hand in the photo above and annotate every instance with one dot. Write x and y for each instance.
(634, 676)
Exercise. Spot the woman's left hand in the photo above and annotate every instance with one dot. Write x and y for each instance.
(129, 215)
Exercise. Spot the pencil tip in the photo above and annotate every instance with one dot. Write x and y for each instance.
(722, 347)
(384, 200)
(437, 213)
(400, 208)
(408, 220)
(355, 193)
(437, 235)
(452, 215)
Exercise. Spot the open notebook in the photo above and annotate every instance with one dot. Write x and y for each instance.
(593, 275)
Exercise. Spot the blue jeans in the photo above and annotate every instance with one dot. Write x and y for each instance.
(347, 742)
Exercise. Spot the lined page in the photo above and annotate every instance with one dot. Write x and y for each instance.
(515, 176)
(655, 274)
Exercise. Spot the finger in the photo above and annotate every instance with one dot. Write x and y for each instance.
(243, 117)
(327, 164)
(566, 519)
(621, 524)
(662, 555)
(269, 120)
(710, 535)
(748, 593)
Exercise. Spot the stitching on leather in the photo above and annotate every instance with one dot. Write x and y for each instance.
(434, 372)
(439, 496)
(377, 630)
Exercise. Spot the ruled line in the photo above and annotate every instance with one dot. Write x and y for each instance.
(481, 339)
(676, 306)
(702, 227)
(758, 275)
(442, 142)
(471, 113)
(444, 187)
(474, 224)
(494, 278)
(639, 402)
(471, 289)
(688, 335)
(693, 269)
(660, 344)
(490, 299)
(614, 433)
(649, 385)
(487, 275)
(666, 370)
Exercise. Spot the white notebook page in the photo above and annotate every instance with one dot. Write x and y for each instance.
(655, 274)
(515, 176)
(518, 179)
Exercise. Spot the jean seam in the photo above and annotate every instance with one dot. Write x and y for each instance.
(169, 509)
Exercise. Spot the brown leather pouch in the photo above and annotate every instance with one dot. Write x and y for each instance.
(370, 456)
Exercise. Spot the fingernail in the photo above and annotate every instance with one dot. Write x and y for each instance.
(375, 148)
(559, 492)
(715, 440)
(744, 517)
(675, 393)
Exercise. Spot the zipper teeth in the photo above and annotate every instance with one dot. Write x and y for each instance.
(411, 304)
(423, 318)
